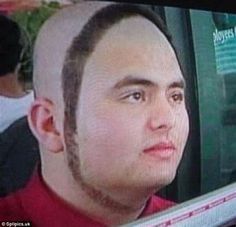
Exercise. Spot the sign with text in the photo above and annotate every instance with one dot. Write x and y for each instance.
(225, 50)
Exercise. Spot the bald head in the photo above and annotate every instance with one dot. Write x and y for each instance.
(67, 40)
(52, 43)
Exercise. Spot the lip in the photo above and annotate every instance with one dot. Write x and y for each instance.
(162, 149)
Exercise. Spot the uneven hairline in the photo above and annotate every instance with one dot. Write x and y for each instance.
(83, 45)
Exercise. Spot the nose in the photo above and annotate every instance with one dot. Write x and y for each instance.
(161, 117)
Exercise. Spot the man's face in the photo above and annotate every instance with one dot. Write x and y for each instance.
(132, 121)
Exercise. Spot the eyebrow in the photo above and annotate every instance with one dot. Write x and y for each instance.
(131, 80)
(178, 84)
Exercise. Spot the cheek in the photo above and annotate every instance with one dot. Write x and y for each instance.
(108, 139)
(182, 127)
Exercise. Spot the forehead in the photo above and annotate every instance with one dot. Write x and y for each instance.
(134, 45)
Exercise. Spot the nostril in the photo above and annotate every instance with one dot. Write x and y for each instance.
(163, 126)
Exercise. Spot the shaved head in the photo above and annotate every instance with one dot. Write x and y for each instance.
(68, 38)
(52, 44)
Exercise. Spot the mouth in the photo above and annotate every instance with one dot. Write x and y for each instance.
(162, 150)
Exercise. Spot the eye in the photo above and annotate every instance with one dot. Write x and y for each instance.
(135, 97)
(177, 97)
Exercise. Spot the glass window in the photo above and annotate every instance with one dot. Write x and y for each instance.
(224, 38)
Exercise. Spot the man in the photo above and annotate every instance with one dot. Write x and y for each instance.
(17, 158)
(109, 115)
(14, 101)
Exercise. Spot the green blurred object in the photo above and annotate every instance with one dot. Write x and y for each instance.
(30, 23)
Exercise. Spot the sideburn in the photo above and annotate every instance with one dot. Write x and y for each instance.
(74, 165)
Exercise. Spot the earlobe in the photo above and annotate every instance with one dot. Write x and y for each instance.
(42, 123)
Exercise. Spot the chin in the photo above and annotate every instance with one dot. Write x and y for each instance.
(164, 179)
(155, 184)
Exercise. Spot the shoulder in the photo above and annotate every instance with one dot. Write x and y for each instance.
(156, 204)
(11, 208)
(161, 203)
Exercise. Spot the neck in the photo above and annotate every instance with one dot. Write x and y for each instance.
(10, 86)
(131, 202)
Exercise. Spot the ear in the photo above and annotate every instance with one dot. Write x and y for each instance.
(42, 123)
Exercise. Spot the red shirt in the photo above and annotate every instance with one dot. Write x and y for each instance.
(43, 208)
